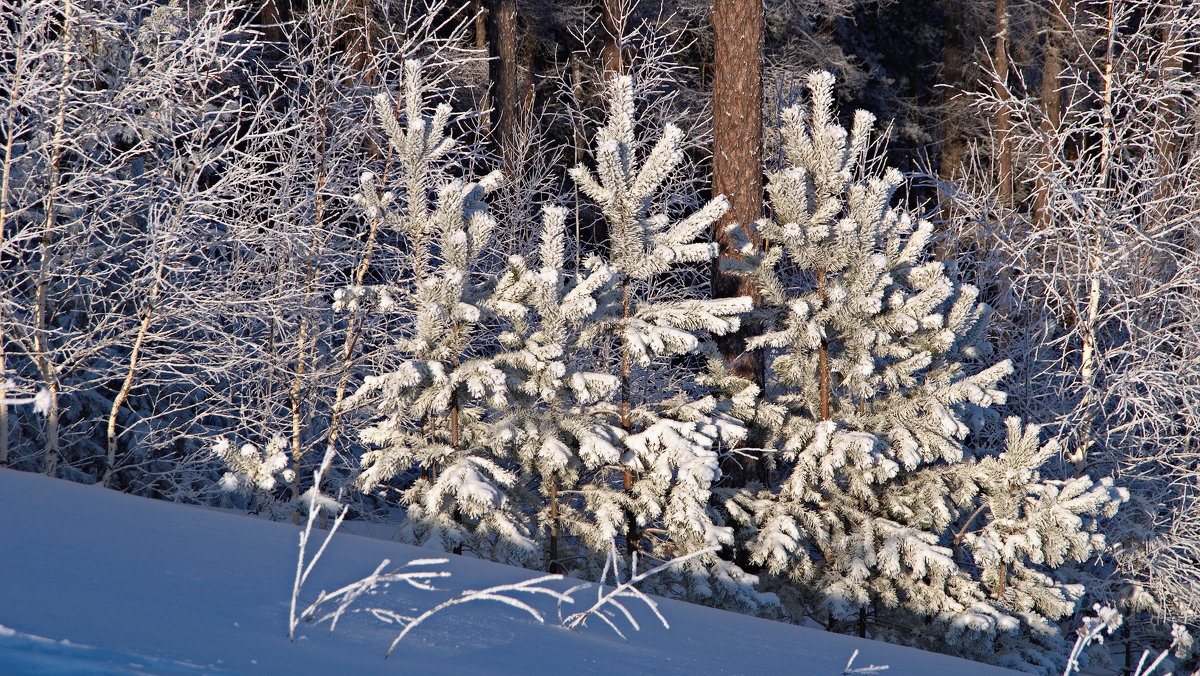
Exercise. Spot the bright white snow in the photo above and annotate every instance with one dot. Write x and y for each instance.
(97, 582)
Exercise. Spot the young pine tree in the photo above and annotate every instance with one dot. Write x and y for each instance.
(556, 426)
(877, 377)
(437, 402)
(659, 501)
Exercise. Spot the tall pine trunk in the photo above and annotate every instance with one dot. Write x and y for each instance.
(1052, 105)
(737, 172)
(954, 141)
(273, 17)
(612, 22)
(506, 97)
(1003, 148)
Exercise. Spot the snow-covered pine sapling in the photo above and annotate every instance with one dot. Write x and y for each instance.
(1023, 522)
(556, 427)
(437, 401)
(670, 459)
(877, 374)
(869, 392)
(255, 473)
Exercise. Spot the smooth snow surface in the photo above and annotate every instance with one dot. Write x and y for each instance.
(97, 582)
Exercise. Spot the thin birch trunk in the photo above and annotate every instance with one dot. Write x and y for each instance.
(1088, 354)
(354, 328)
(303, 346)
(577, 131)
(41, 332)
(10, 133)
(3, 405)
(127, 383)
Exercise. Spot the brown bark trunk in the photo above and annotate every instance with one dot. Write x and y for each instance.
(480, 22)
(555, 567)
(954, 141)
(356, 38)
(272, 17)
(480, 12)
(506, 95)
(632, 536)
(1052, 66)
(454, 439)
(823, 382)
(612, 21)
(1167, 142)
(737, 171)
(1004, 160)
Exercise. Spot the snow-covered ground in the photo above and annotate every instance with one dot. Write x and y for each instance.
(96, 582)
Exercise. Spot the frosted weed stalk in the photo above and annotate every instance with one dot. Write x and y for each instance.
(302, 570)
(1107, 621)
(331, 606)
(622, 590)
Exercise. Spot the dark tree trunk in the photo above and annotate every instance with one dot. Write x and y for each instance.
(506, 98)
(555, 567)
(612, 21)
(1052, 104)
(1170, 117)
(273, 16)
(1004, 157)
(737, 170)
(357, 36)
(954, 75)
